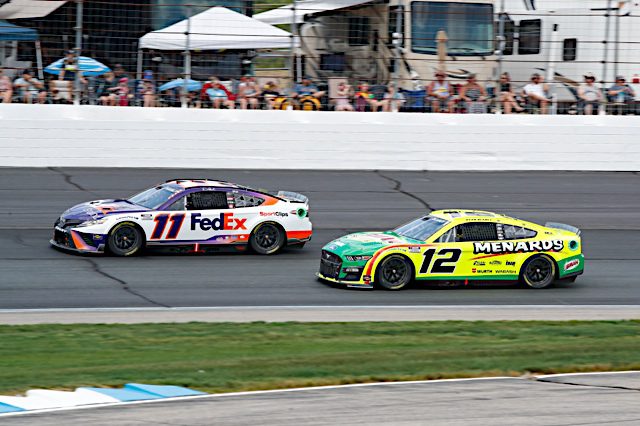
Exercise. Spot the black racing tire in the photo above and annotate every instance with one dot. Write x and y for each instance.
(267, 238)
(125, 239)
(538, 271)
(394, 272)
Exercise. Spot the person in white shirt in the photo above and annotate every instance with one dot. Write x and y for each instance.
(590, 94)
(30, 88)
(535, 92)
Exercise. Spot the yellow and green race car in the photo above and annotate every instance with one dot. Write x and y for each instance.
(454, 247)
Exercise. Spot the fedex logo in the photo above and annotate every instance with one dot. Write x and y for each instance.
(225, 221)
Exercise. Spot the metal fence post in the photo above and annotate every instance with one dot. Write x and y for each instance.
(78, 49)
(187, 62)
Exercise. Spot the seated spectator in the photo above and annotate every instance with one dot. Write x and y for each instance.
(507, 96)
(343, 96)
(30, 88)
(363, 98)
(535, 93)
(621, 95)
(474, 96)
(6, 88)
(589, 95)
(218, 94)
(270, 92)
(307, 88)
(248, 93)
(393, 100)
(123, 93)
(148, 90)
(441, 94)
(106, 89)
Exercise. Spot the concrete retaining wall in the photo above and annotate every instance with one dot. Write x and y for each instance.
(93, 136)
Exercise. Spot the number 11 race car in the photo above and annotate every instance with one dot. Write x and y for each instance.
(453, 247)
(190, 215)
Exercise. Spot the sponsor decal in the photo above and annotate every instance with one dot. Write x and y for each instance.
(505, 271)
(572, 264)
(481, 271)
(509, 263)
(479, 263)
(279, 214)
(519, 246)
(146, 216)
(225, 221)
(414, 249)
(495, 262)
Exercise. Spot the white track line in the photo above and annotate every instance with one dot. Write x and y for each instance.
(312, 388)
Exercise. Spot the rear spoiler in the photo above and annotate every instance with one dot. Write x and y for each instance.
(292, 197)
(563, 227)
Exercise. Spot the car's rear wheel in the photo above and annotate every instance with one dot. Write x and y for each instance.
(394, 273)
(267, 238)
(125, 239)
(538, 272)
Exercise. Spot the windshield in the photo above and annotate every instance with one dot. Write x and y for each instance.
(469, 27)
(421, 229)
(153, 198)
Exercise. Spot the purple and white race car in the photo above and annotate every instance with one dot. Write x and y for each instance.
(190, 215)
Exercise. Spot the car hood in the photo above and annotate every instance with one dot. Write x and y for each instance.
(97, 209)
(366, 243)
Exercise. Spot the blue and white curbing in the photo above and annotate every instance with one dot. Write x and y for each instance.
(41, 399)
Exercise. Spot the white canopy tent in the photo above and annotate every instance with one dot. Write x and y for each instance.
(20, 9)
(217, 28)
(284, 14)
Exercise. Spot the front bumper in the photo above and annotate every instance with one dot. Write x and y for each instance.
(79, 242)
(350, 284)
(332, 269)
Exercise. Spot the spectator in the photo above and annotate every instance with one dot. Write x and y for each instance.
(218, 94)
(535, 92)
(248, 93)
(107, 88)
(69, 70)
(148, 90)
(589, 95)
(123, 93)
(393, 100)
(507, 96)
(440, 93)
(474, 96)
(30, 88)
(621, 94)
(6, 89)
(270, 92)
(307, 88)
(364, 98)
(343, 95)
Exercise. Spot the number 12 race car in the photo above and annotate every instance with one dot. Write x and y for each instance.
(455, 247)
(192, 215)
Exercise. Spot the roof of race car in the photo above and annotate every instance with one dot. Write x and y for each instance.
(463, 215)
(192, 183)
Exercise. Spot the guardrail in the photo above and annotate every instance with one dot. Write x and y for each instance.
(96, 136)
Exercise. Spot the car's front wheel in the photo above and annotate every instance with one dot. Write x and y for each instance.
(267, 238)
(538, 272)
(125, 239)
(394, 273)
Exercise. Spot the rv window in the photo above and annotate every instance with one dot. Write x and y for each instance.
(359, 30)
(569, 49)
(529, 37)
(393, 24)
(469, 27)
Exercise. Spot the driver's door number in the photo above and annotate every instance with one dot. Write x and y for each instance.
(445, 262)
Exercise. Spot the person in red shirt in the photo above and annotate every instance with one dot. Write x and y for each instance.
(217, 94)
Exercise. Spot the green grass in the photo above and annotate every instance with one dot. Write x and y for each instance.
(233, 357)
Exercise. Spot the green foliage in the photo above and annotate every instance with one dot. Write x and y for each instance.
(231, 357)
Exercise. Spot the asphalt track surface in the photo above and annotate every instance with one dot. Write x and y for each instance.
(583, 399)
(606, 206)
